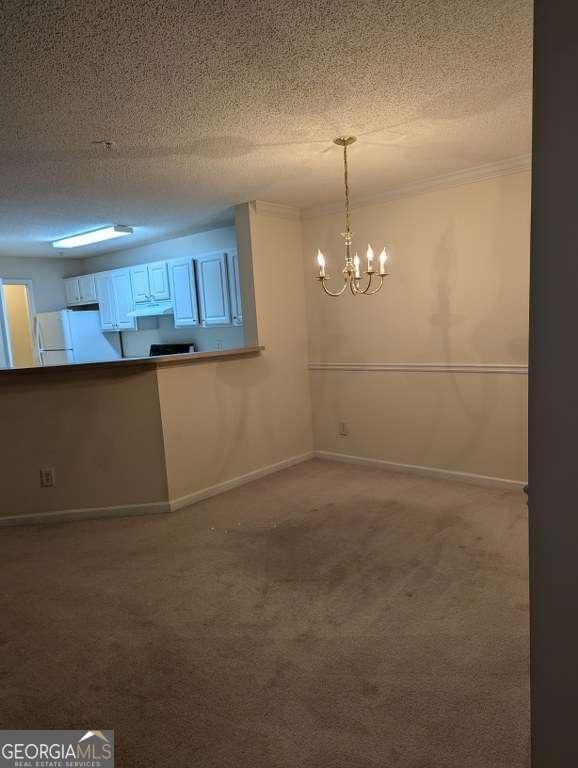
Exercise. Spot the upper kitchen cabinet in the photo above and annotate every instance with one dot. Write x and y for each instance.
(235, 288)
(183, 291)
(115, 300)
(80, 290)
(150, 282)
(213, 289)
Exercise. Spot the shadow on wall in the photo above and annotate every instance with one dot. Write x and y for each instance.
(445, 321)
(237, 388)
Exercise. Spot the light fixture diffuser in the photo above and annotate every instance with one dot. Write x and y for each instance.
(96, 236)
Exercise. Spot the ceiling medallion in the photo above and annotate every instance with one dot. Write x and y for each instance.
(351, 271)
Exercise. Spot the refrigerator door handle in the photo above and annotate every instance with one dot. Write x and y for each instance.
(37, 333)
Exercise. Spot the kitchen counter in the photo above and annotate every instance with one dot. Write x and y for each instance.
(137, 362)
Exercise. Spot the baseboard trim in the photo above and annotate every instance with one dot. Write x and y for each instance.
(161, 507)
(88, 513)
(228, 485)
(415, 469)
(152, 508)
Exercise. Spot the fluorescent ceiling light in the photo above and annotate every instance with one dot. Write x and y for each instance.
(96, 236)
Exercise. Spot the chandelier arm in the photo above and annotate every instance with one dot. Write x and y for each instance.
(323, 280)
(375, 290)
(355, 286)
(366, 290)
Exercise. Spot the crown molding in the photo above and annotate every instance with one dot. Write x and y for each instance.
(456, 179)
(262, 208)
(509, 368)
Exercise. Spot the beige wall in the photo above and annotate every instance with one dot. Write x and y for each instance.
(100, 431)
(225, 419)
(19, 325)
(47, 277)
(458, 293)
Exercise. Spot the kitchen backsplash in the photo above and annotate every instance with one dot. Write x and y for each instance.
(160, 330)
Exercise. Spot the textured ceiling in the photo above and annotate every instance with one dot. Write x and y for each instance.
(212, 103)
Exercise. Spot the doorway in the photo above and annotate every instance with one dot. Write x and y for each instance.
(16, 318)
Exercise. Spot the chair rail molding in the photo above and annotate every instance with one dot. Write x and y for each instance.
(506, 368)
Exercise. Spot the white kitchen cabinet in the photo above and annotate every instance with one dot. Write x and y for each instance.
(123, 299)
(184, 292)
(80, 290)
(213, 289)
(105, 302)
(150, 282)
(234, 288)
(139, 278)
(115, 300)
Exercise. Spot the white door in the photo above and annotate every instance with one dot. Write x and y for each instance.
(235, 288)
(182, 283)
(159, 281)
(5, 352)
(123, 300)
(87, 288)
(139, 278)
(213, 289)
(72, 289)
(105, 300)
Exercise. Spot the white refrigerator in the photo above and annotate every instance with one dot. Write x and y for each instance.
(69, 336)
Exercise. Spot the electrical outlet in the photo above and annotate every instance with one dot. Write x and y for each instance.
(219, 345)
(343, 429)
(47, 477)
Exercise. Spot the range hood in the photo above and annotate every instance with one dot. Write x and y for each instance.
(152, 308)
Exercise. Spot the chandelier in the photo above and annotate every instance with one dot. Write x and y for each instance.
(352, 269)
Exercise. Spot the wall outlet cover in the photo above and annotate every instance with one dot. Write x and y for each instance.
(47, 477)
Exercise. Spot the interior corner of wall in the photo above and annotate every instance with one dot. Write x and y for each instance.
(163, 430)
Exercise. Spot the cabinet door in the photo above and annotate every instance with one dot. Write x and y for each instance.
(139, 278)
(184, 293)
(159, 281)
(87, 288)
(235, 288)
(72, 289)
(105, 298)
(213, 289)
(123, 300)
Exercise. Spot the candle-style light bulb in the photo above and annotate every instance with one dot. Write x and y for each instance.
(382, 260)
(369, 259)
(321, 263)
(356, 264)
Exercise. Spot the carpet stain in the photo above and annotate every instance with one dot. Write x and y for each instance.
(318, 618)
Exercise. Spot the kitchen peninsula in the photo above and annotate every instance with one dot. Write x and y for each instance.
(160, 361)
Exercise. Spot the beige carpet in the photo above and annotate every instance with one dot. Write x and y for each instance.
(330, 616)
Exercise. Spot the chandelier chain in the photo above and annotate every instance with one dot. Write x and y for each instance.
(346, 179)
